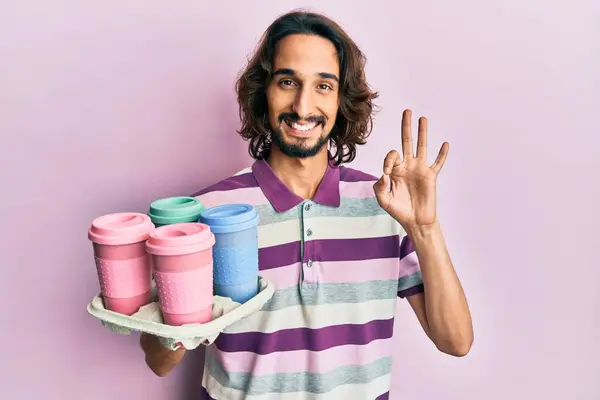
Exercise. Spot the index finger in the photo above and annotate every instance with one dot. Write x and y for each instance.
(392, 159)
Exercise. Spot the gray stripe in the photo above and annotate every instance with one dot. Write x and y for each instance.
(310, 294)
(299, 381)
(409, 281)
(348, 208)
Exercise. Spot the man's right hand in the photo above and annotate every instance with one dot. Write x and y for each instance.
(158, 358)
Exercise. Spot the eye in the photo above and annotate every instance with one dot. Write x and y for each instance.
(286, 82)
(324, 86)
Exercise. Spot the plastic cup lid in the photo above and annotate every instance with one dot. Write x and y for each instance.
(179, 239)
(230, 217)
(166, 210)
(120, 228)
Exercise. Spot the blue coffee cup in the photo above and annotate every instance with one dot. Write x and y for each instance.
(235, 252)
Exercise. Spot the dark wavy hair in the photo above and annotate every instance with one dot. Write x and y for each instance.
(354, 121)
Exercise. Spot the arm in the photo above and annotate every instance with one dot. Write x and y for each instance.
(407, 190)
(442, 309)
(159, 359)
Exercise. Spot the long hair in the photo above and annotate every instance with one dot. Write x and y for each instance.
(354, 120)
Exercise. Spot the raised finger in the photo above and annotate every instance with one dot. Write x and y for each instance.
(407, 146)
(422, 139)
(441, 157)
(391, 160)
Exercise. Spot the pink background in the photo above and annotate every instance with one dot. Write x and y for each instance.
(105, 106)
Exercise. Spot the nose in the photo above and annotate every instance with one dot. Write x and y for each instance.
(304, 103)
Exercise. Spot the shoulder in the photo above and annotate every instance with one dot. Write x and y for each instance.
(356, 184)
(228, 190)
(348, 174)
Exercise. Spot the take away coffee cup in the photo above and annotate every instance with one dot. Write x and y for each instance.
(122, 263)
(183, 271)
(174, 210)
(235, 252)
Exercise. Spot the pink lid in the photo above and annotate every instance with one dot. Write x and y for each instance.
(120, 228)
(179, 239)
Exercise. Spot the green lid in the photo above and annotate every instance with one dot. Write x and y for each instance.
(172, 210)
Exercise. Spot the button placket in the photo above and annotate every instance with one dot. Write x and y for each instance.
(308, 234)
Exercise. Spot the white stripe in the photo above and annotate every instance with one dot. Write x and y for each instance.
(278, 233)
(327, 228)
(315, 317)
(371, 390)
(243, 171)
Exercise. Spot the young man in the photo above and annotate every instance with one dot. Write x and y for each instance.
(339, 245)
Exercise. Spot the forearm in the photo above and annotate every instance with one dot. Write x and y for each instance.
(159, 359)
(446, 309)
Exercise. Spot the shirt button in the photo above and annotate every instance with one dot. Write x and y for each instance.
(309, 263)
(309, 232)
(307, 207)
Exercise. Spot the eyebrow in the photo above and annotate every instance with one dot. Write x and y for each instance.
(291, 72)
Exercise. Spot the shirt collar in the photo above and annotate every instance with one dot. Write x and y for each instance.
(283, 199)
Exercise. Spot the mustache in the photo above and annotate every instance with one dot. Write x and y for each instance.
(294, 117)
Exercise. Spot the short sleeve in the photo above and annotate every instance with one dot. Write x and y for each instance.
(410, 281)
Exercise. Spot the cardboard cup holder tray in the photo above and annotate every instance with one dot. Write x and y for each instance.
(149, 320)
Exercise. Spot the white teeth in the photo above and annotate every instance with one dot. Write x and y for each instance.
(303, 128)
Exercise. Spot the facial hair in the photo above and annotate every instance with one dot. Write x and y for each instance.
(297, 150)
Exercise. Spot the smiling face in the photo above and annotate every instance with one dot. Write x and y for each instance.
(303, 95)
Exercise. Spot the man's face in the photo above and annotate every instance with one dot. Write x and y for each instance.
(303, 96)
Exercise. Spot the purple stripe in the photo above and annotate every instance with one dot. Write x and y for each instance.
(305, 339)
(406, 247)
(353, 175)
(385, 396)
(411, 291)
(204, 394)
(278, 256)
(234, 182)
(352, 249)
(330, 250)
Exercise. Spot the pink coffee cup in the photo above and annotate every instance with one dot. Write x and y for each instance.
(183, 271)
(122, 263)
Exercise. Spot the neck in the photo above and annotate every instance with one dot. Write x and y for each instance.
(301, 175)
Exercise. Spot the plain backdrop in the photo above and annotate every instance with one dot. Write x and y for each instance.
(107, 105)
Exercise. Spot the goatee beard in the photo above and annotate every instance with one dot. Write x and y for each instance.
(297, 150)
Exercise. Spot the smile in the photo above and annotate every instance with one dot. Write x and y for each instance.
(301, 128)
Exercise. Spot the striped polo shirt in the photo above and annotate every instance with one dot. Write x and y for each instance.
(338, 263)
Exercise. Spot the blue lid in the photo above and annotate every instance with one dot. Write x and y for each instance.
(229, 217)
